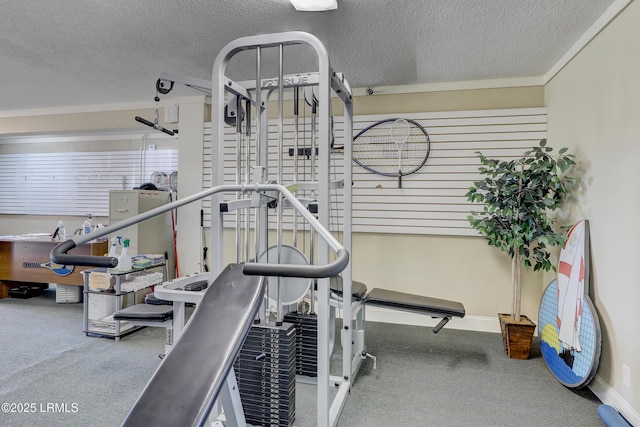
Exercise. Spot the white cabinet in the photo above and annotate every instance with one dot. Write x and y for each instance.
(153, 236)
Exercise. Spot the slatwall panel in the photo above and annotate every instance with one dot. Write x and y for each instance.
(432, 201)
(74, 183)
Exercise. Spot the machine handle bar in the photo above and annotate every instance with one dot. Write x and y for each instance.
(292, 270)
(154, 125)
(59, 253)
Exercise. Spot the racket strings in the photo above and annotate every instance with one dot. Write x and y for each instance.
(377, 149)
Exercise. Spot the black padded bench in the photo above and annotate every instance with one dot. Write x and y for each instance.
(358, 289)
(414, 303)
(148, 314)
(394, 300)
(433, 307)
(145, 312)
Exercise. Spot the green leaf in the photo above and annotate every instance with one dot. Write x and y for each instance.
(517, 196)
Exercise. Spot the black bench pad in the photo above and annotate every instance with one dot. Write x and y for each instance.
(186, 384)
(414, 303)
(148, 312)
(153, 300)
(358, 289)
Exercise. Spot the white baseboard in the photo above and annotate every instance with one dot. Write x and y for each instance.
(468, 323)
(610, 397)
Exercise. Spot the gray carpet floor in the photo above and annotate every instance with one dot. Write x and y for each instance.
(454, 378)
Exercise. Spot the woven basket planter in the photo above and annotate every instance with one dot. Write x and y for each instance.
(516, 336)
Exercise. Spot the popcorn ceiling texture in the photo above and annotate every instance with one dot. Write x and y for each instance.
(67, 53)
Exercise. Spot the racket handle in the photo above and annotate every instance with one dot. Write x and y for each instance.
(59, 255)
(399, 179)
(31, 265)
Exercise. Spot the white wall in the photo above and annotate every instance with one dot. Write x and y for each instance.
(593, 107)
(458, 268)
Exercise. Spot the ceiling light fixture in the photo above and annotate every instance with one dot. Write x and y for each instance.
(314, 5)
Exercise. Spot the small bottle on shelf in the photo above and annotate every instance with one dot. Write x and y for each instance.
(62, 231)
(113, 250)
(124, 260)
(88, 225)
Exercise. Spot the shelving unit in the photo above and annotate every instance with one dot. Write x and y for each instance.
(102, 284)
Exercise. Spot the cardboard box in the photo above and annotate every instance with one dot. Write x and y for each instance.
(98, 280)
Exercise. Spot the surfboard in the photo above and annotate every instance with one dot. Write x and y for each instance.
(568, 325)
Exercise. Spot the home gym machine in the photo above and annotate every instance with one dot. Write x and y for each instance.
(276, 180)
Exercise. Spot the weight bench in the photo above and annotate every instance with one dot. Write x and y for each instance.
(149, 315)
(199, 367)
(145, 313)
(434, 307)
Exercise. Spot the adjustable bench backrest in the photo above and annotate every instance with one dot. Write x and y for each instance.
(433, 307)
(185, 386)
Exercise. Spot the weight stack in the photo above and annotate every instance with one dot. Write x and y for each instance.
(266, 375)
(306, 342)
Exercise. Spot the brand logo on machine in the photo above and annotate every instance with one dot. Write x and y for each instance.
(288, 81)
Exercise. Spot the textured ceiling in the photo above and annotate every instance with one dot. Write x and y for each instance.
(71, 53)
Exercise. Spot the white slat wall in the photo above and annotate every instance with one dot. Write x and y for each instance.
(432, 201)
(74, 183)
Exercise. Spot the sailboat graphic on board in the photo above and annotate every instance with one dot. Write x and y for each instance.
(568, 324)
(571, 276)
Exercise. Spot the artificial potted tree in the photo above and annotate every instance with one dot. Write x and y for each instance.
(517, 198)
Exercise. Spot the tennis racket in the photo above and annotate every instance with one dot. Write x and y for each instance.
(159, 179)
(392, 147)
(59, 269)
(173, 181)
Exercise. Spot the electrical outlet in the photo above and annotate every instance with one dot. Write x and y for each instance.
(626, 376)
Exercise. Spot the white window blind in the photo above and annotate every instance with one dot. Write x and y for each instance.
(432, 201)
(75, 183)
